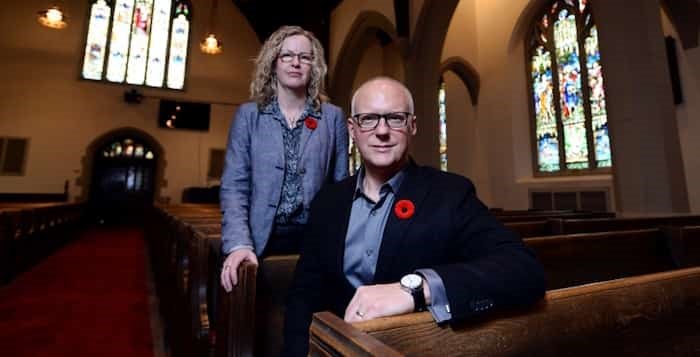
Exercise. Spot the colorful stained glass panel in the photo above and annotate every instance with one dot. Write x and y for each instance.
(178, 50)
(571, 96)
(599, 116)
(160, 28)
(545, 117)
(443, 127)
(95, 46)
(138, 50)
(119, 41)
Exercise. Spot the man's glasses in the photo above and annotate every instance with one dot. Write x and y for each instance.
(370, 121)
(304, 57)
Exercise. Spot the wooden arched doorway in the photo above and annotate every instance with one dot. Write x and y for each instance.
(123, 179)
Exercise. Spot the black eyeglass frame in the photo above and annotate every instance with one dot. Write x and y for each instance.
(292, 55)
(404, 124)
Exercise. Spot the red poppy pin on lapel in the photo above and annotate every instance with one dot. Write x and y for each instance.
(404, 209)
(310, 123)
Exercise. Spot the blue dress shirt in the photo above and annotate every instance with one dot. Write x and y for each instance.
(364, 238)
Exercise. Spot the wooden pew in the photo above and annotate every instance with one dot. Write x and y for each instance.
(567, 226)
(568, 260)
(685, 244)
(530, 229)
(649, 315)
(31, 231)
(565, 215)
(170, 242)
(577, 259)
(206, 322)
(554, 226)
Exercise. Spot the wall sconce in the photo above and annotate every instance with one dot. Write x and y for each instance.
(211, 45)
(52, 17)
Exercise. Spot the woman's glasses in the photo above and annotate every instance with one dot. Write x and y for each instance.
(305, 58)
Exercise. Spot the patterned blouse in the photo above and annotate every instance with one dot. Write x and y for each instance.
(290, 210)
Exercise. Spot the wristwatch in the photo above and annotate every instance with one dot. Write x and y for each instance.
(413, 284)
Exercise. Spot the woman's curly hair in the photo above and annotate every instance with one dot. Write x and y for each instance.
(264, 84)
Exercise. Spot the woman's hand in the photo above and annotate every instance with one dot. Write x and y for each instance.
(229, 273)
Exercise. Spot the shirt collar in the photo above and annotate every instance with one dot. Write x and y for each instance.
(273, 107)
(392, 184)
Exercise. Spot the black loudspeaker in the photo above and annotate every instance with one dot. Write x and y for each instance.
(133, 96)
(673, 70)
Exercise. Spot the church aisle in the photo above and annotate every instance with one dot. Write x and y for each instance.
(88, 299)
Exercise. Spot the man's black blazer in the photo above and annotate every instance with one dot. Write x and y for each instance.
(483, 265)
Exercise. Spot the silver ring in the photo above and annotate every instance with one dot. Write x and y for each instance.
(226, 266)
(358, 313)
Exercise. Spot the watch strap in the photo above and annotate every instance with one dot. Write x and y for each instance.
(418, 299)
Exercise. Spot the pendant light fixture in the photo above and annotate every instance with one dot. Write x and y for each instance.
(53, 17)
(211, 45)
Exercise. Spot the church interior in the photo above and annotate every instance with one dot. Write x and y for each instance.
(573, 119)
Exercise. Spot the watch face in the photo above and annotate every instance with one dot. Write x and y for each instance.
(412, 281)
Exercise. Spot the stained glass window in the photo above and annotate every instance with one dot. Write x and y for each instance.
(442, 110)
(138, 42)
(354, 158)
(568, 96)
(127, 148)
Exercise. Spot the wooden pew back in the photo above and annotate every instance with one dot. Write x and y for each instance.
(569, 226)
(251, 317)
(578, 259)
(650, 315)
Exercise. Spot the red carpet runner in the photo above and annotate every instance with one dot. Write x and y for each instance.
(88, 299)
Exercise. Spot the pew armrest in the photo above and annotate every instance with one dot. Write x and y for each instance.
(331, 336)
(236, 324)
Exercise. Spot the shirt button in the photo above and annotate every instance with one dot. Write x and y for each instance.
(373, 213)
(302, 171)
(369, 252)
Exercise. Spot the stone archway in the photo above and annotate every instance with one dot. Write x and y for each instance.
(87, 161)
(466, 72)
(363, 31)
(422, 70)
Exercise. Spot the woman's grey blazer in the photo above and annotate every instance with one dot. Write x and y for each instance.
(254, 170)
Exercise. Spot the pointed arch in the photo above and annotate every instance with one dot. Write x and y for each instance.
(361, 34)
(685, 15)
(466, 72)
(523, 24)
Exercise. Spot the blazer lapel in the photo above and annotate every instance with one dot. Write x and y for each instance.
(339, 228)
(272, 135)
(415, 189)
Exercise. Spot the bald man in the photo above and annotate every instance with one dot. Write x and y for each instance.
(398, 237)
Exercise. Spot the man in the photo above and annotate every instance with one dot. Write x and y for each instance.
(399, 238)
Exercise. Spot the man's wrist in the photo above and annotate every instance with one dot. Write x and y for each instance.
(240, 247)
(413, 285)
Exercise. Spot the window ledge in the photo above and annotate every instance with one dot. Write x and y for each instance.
(587, 179)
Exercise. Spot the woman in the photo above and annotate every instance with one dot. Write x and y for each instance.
(281, 148)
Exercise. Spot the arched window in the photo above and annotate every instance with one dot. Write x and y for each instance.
(442, 109)
(568, 96)
(138, 42)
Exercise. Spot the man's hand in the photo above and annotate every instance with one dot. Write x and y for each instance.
(229, 273)
(373, 301)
